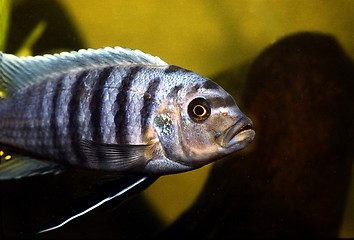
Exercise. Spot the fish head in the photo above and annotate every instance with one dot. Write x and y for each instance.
(202, 127)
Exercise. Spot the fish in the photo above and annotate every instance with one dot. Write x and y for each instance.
(114, 110)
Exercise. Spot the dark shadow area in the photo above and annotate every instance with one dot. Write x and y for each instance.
(37, 203)
(60, 32)
(293, 179)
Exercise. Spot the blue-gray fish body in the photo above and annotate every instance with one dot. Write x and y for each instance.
(118, 110)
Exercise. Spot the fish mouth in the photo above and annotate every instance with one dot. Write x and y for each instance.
(238, 135)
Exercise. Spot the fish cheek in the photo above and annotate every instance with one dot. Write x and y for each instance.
(166, 128)
(198, 136)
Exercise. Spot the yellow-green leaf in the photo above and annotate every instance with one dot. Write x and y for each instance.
(4, 21)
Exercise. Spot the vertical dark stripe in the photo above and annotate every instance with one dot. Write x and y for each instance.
(195, 88)
(96, 104)
(210, 85)
(24, 115)
(42, 146)
(54, 128)
(73, 108)
(226, 101)
(149, 98)
(120, 119)
(173, 93)
(173, 69)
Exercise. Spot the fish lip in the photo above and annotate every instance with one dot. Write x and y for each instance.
(239, 135)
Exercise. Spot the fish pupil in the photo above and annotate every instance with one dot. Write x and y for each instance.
(199, 109)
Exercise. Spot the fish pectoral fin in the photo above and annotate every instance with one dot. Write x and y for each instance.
(117, 157)
(24, 166)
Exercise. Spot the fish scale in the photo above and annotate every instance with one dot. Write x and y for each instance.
(121, 117)
(54, 106)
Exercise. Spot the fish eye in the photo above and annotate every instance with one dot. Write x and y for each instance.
(199, 109)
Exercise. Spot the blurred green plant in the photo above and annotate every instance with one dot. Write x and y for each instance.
(4, 24)
(37, 32)
(26, 48)
(4, 21)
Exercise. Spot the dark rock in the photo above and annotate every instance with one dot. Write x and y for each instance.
(293, 179)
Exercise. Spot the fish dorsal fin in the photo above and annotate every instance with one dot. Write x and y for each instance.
(18, 72)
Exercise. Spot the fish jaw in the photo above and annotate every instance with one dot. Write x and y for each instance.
(237, 136)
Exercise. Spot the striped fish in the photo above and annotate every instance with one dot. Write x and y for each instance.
(113, 109)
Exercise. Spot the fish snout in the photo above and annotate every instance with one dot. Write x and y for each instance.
(238, 135)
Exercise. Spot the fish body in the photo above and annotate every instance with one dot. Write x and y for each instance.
(116, 109)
